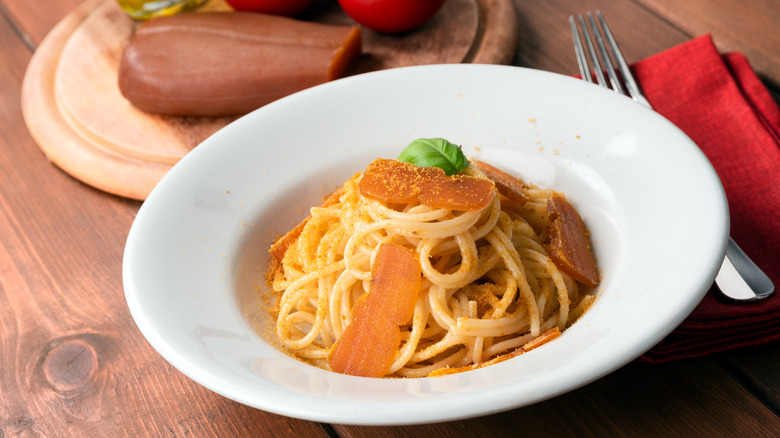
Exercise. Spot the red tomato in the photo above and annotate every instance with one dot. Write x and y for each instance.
(289, 8)
(391, 16)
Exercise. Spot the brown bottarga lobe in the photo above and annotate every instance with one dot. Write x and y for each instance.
(230, 63)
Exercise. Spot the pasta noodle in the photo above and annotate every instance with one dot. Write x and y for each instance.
(489, 285)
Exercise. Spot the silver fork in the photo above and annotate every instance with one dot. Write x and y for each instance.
(738, 278)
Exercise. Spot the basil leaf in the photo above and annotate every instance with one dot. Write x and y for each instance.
(435, 152)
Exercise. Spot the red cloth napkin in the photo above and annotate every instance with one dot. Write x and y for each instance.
(720, 103)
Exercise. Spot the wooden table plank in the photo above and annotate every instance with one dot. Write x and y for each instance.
(36, 19)
(751, 27)
(546, 43)
(687, 398)
(758, 368)
(74, 364)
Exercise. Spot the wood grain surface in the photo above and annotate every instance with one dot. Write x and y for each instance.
(81, 121)
(75, 365)
(734, 26)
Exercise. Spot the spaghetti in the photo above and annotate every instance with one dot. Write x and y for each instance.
(489, 284)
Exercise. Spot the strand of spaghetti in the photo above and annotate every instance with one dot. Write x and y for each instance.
(432, 328)
(327, 253)
(506, 345)
(291, 321)
(510, 291)
(550, 322)
(522, 229)
(486, 262)
(423, 371)
(312, 352)
(437, 299)
(377, 211)
(538, 207)
(357, 236)
(477, 231)
(283, 326)
(476, 348)
(515, 342)
(300, 318)
(459, 303)
(295, 297)
(328, 245)
(494, 210)
(560, 285)
(491, 327)
(316, 225)
(437, 348)
(419, 320)
(511, 259)
(546, 288)
(580, 308)
(311, 276)
(477, 342)
(522, 241)
(459, 278)
(537, 193)
(339, 306)
(434, 230)
(326, 338)
(316, 325)
(571, 285)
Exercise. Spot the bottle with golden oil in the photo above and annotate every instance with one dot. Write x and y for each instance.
(145, 9)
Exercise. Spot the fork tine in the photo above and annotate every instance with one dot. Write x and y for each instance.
(582, 61)
(613, 79)
(633, 88)
(592, 51)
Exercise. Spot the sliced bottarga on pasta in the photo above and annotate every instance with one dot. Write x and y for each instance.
(368, 345)
(457, 192)
(570, 247)
(397, 182)
(512, 188)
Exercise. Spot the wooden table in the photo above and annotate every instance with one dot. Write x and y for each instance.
(74, 363)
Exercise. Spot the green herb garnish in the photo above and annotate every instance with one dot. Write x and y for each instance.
(435, 152)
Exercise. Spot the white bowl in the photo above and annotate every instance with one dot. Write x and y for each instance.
(198, 247)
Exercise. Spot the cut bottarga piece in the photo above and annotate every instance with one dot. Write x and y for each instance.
(230, 63)
(570, 247)
(368, 345)
(512, 188)
(398, 182)
(366, 348)
(457, 192)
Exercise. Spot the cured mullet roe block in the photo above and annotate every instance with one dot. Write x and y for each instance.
(230, 63)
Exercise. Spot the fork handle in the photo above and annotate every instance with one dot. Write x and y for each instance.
(740, 279)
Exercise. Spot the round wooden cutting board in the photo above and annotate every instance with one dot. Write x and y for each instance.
(75, 112)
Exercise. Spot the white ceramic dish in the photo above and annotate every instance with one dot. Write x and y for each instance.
(198, 247)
